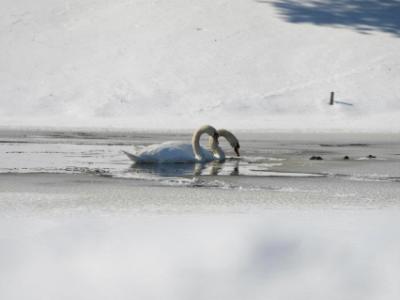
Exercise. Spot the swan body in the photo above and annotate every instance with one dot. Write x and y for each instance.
(176, 152)
(170, 152)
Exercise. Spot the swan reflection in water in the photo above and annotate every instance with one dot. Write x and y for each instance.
(214, 168)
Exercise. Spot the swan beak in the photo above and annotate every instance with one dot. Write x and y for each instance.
(237, 151)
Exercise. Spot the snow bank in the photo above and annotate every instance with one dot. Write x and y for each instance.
(176, 63)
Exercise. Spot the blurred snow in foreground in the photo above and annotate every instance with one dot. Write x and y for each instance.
(274, 255)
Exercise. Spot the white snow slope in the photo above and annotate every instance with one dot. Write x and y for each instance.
(181, 63)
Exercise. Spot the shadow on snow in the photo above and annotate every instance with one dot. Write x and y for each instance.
(363, 16)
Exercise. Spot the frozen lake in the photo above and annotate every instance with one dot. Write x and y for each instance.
(275, 168)
(79, 221)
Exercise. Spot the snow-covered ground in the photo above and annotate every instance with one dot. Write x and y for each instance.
(238, 64)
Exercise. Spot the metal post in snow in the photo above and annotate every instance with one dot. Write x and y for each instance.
(332, 98)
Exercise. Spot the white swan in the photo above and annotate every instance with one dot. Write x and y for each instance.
(176, 152)
(217, 150)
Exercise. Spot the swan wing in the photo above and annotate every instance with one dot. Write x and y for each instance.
(168, 152)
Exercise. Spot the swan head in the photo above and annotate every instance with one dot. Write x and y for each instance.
(236, 148)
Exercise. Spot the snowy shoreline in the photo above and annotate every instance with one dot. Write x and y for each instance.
(189, 130)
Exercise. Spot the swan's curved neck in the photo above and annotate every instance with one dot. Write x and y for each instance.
(217, 150)
(228, 136)
(196, 141)
(219, 153)
(196, 144)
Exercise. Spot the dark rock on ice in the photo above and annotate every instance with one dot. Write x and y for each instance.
(315, 158)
